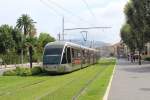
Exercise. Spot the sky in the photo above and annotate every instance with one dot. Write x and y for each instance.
(48, 16)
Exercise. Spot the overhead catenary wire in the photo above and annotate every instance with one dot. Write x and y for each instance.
(53, 10)
(56, 13)
(89, 9)
(69, 12)
(50, 8)
(79, 28)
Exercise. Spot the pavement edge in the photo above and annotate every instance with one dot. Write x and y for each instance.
(109, 85)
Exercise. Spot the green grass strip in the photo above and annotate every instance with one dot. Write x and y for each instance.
(87, 84)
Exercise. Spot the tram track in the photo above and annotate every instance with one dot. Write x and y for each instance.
(75, 97)
(67, 84)
(75, 82)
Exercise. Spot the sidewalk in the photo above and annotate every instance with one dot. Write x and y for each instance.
(130, 81)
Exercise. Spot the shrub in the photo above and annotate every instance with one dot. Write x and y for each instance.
(36, 70)
(35, 58)
(147, 58)
(25, 72)
(21, 71)
(17, 70)
(9, 73)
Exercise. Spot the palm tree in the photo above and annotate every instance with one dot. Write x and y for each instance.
(26, 25)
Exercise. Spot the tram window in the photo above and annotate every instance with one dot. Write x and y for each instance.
(78, 54)
(72, 53)
(53, 51)
(83, 53)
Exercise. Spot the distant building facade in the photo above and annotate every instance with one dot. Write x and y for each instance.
(120, 49)
(147, 49)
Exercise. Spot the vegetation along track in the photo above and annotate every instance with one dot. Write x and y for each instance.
(87, 84)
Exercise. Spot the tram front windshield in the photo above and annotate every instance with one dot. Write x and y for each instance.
(52, 55)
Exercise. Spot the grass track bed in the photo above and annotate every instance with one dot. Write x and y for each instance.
(87, 84)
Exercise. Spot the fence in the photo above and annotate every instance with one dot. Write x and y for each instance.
(14, 59)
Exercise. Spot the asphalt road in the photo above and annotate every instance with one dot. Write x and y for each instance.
(130, 82)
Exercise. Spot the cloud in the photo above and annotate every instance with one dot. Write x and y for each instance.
(107, 12)
(109, 15)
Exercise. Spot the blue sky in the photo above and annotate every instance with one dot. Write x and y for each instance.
(48, 15)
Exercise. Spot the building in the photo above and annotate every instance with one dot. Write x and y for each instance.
(147, 47)
(120, 49)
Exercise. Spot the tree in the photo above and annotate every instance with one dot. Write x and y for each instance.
(6, 40)
(136, 14)
(31, 42)
(128, 37)
(44, 38)
(16, 35)
(147, 20)
(26, 25)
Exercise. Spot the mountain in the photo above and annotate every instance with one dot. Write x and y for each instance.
(96, 44)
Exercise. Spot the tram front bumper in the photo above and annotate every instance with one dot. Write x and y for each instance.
(54, 68)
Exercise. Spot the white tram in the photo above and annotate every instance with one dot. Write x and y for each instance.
(62, 57)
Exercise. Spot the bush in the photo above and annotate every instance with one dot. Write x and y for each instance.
(36, 70)
(35, 58)
(9, 73)
(17, 70)
(25, 72)
(147, 58)
(21, 71)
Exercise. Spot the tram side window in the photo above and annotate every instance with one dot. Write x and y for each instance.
(83, 56)
(72, 53)
(78, 54)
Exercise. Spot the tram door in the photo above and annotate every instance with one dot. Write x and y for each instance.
(68, 50)
(66, 56)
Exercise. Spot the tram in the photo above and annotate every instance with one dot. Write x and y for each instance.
(63, 57)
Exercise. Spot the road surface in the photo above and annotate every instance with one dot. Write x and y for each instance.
(130, 81)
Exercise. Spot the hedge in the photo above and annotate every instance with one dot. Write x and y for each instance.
(147, 58)
(21, 71)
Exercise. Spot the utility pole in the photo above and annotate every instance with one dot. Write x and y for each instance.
(93, 45)
(59, 37)
(63, 28)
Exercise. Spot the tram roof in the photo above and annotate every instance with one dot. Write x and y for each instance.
(64, 43)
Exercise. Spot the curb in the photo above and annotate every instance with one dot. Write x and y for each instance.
(109, 85)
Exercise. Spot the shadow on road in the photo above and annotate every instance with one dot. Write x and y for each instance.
(134, 67)
(140, 69)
